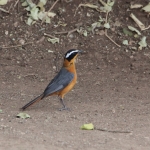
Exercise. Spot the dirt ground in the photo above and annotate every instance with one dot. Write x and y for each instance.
(112, 91)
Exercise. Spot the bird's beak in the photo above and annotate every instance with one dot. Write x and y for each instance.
(80, 51)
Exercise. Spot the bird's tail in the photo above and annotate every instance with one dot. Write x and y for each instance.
(33, 101)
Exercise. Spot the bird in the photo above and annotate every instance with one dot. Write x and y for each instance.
(63, 82)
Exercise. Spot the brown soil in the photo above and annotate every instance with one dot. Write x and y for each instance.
(112, 91)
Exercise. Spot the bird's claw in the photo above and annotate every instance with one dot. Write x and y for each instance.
(64, 108)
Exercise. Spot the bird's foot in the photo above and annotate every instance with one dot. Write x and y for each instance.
(64, 108)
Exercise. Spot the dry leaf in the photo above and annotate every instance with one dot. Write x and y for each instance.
(53, 40)
(134, 29)
(34, 13)
(139, 23)
(142, 43)
(95, 25)
(23, 115)
(136, 6)
(3, 2)
(147, 8)
(127, 32)
(82, 31)
(107, 6)
(37, 12)
(29, 21)
(125, 42)
(51, 14)
(107, 26)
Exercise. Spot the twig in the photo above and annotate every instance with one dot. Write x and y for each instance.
(107, 17)
(71, 31)
(41, 39)
(3, 10)
(113, 131)
(111, 38)
(146, 28)
(62, 32)
(49, 11)
(87, 5)
(49, 35)
(76, 10)
(107, 34)
(53, 5)
(16, 3)
(138, 22)
(17, 45)
(30, 75)
(10, 7)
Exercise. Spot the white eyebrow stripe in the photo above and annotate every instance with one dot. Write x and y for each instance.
(68, 54)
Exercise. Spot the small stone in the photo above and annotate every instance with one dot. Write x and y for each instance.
(22, 41)
(134, 48)
(71, 35)
(54, 67)
(131, 56)
(6, 32)
(15, 24)
(88, 14)
(50, 51)
(112, 29)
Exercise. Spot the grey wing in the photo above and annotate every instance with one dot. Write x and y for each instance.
(61, 80)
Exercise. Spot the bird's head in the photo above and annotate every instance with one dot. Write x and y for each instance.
(71, 55)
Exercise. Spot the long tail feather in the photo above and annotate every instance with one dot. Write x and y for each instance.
(37, 99)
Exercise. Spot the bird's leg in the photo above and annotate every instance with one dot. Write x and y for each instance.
(64, 106)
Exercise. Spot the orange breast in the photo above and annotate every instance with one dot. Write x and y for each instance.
(70, 68)
(69, 87)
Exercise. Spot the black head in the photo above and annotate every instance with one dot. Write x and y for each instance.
(71, 54)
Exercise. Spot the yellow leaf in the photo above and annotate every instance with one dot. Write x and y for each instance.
(89, 126)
